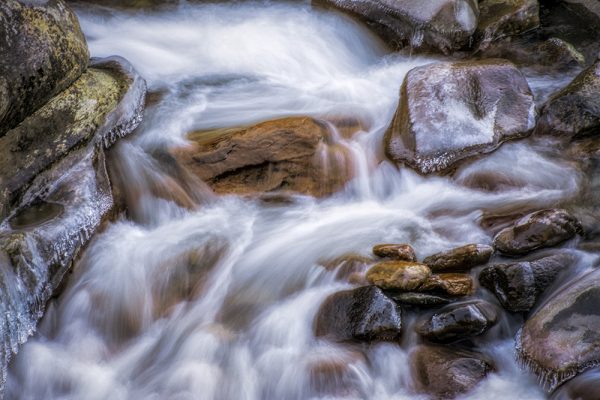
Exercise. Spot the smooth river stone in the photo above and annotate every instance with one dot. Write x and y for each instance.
(402, 252)
(459, 259)
(401, 275)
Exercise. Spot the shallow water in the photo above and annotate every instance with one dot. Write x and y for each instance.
(218, 301)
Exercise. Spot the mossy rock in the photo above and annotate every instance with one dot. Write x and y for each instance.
(43, 52)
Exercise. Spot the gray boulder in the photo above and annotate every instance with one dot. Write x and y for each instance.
(450, 111)
(440, 25)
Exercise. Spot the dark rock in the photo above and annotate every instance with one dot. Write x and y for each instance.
(363, 314)
(62, 193)
(446, 373)
(43, 52)
(401, 252)
(280, 155)
(545, 228)
(519, 285)
(419, 299)
(458, 322)
(575, 110)
(459, 259)
(450, 111)
(562, 338)
(449, 283)
(441, 25)
(400, 275)
(501, 18)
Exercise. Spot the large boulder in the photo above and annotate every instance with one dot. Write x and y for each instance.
(398, 275)
(55, 190)
(562, 338)
(545, 228)
(502, 18)
(43, 52)
(363, 314)
(519, 285)
(575, 110)
(446, 373)
(459, 259)
(441, 25)
(453, 110)
(458, 322)
(289, 154)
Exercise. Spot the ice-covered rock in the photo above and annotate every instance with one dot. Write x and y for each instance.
(55, 190)
(449, 111)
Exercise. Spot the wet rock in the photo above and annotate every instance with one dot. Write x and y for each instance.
(518, 285)
(545, 228)
(553, 54)
(441, 25)
(55, 190)
(445, 373)
(402, 252)
(458, 322)
(43, 52)
(290, 154)
(449, 283)
(401, 275)
(363, 314)
(459, 259)
(562, 338)
(575, 110)
(450, 111)
(333, 374)
(501, 18)
(419, 299)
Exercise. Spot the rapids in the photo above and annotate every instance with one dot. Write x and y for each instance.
(217, 301)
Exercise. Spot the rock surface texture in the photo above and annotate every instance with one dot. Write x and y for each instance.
(575, 110)
(545, 228)
(440, 25)
(450, 111)
(289, 154)
(363, 314)
(43, 52)
(562, 338)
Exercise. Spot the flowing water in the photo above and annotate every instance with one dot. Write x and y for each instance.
(216, 300)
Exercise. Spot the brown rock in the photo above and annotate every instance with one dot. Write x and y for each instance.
(445, 373)
(449, 283)
(401, 275)
(349, 267)
(289, 154)
(460, 259)
(402, 252)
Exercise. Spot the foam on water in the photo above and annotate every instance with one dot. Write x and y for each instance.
(217, 301)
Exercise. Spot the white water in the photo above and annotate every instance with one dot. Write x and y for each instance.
(218, 302)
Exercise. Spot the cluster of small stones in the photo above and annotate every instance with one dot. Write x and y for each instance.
(440, 289)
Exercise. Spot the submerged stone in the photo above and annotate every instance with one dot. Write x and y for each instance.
(401, 275)
(43, 52)
(450, 111)
(458, 322)
(562, 338)
(545, 228)
(519, 285)
(446, 373)
(364, 314)
(459, 259)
